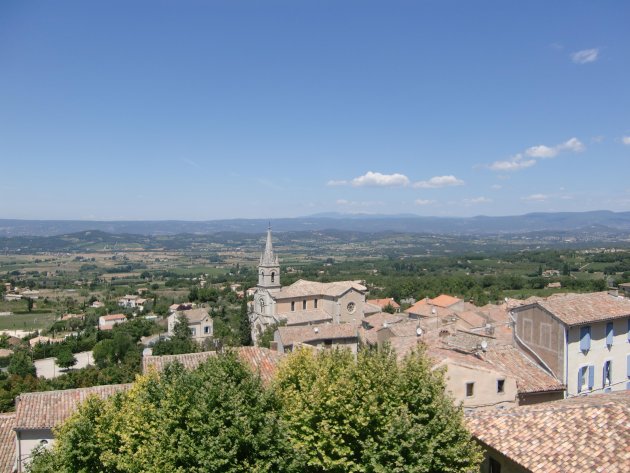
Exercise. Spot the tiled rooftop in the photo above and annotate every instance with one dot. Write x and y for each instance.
(45, 410)
(378, 321)
(577, 309)
(7, 442)
(587, 433)
(302, 288)
(292, 335)
(306, 316)
(260, 360)
(530, 377)
(444, 300)
(382, 303)
(194, 316)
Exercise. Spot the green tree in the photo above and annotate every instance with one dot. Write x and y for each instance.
(218, 418)
(65, 358)
(181, 341)
(29, 304)
(245, 327)
(21, 364)
(389, 308)
(112, 351)
(371, 414)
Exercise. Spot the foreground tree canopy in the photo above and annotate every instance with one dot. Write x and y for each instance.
(325, 412)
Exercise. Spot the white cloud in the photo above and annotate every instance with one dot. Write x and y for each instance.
(333, 183)
(376, 179)
(572, 144)
(542, 151)
(496, 187)
(342, 202)
(514, 164)
(625, 140)
(477, 200)
(519, 161)
(536, 198)
(439, 181)
(424, 202)
(585, 56)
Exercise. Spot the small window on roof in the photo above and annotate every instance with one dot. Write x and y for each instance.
(500, 386)
(470, 389)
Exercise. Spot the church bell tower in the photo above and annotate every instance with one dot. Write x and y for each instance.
(269, 267)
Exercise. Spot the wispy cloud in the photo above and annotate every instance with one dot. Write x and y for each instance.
(536, 198)
(585, 56)
(424, 202)
(529, 157)
(477, 200)
(541, 151)
(439, 181)
(625, 140)
(190, 162)
(333, 183)
(354, 203)
(496, 187)
(514, 164)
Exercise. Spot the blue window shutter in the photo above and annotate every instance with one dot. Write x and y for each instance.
(585, 338)
(580, 375)
(609, 334)
(591, 376)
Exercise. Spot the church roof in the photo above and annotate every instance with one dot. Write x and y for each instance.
(302, 288)
(301, 317)
(268, 258)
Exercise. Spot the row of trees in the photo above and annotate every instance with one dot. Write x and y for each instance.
(325, 412)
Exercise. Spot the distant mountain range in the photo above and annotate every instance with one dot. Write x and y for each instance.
(601, 221)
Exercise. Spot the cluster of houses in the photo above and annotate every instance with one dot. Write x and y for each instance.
(544, 382)
(18, 293)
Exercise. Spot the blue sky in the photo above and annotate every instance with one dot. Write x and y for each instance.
(222, 109)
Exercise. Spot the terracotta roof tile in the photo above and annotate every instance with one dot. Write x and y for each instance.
(45, 410)
(7, 443)
(292, 335)
(306, 316)
(444, 300)
(382, 303)
(577, 309)
(302, 288)
(260, 360)
(530, 377)
(587, 433)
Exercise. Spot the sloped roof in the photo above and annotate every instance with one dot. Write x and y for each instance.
(306, 316)
(194, 316)
(379, 320)
(585, 433)
(579, 309)
(260, 360)
(7, 442)
(530, 378)
(110, 317)
(303, 288)
(382, 303)
(45, 410)
(292, 335)
(444, 300)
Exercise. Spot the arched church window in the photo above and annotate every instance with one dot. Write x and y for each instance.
(273, 276)
(261, 304)
(292, 306)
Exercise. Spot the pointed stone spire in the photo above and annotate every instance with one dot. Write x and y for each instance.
(268, 258)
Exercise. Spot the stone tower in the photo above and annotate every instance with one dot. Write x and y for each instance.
(269, 267)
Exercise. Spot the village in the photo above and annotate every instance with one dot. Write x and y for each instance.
(515, 368)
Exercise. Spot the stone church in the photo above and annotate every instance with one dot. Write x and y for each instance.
(303, 302)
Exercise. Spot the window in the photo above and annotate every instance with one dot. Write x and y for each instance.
(351, 307)
(545, 335)
(610, 333)
(586, 378)
(494, 466)
(470, 389)
(607, 374)
(206, 329)
(292, 306)
(585, 338)
(273, 277)
(500, 386)
(315, 304)
(193, 331)
(527, 330)
(304, 305)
